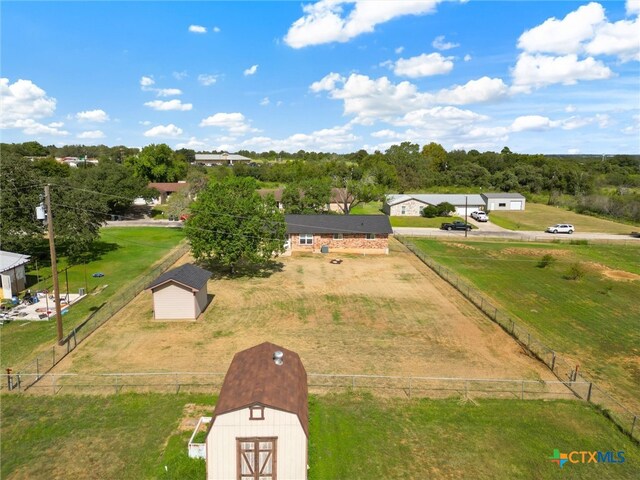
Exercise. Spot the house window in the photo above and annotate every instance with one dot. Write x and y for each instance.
(337, 236)
(371, 236)
(502, 204)
(306, 239)
(403, 210)
(256, 412)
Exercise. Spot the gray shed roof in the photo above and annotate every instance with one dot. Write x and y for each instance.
(338, 224)
(188, 275)
(458, 200)
(9, 260)
(502, 195)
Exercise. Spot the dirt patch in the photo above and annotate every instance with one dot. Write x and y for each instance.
(612, 274)
(378, 315)
(191, 415)
(535, 252)
(462, 246)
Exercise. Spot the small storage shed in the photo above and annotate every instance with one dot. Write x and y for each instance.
(504, 201)
(180, 293)
(12, 273)
(260, 426)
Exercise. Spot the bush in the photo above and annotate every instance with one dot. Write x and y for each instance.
(576, 272)
(546, 261)
(430, 212)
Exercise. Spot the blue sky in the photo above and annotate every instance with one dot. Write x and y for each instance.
(539, 77)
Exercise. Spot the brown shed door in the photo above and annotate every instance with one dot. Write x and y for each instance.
(256, 458)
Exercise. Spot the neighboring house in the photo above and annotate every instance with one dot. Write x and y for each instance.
(277, 194)
(166, 189)
(412, 204)
(260, 426)
(180, 293)
(213, 159)
(336, 200)
(338, 233)
(12, 273)
(504, 201)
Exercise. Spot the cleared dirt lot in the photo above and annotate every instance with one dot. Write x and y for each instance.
(385, 315)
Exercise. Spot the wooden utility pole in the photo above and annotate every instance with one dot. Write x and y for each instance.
(54, 263)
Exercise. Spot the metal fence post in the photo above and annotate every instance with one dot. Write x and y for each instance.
(116, 385)
(38, 368)
(53, 356)
(589, 392)
(466, 390)
(633, 424)
(177, 384)
(553, 360)
(353, 382)
(409, 387)
(53, 383)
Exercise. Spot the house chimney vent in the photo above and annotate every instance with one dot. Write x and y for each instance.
(278, 357)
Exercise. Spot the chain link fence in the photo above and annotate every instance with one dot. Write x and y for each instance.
(34, 369)
(565, 369)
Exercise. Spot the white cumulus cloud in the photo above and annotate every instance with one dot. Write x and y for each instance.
(328, 82)
(207, 80)
(169, 105)
(251, 70)
(197, 29)
(30, 127)
(423, 65)
(193, 143)
(323, 21)
(532, 122)
(621, 39)
(235, 123)
(484, 89)
(440, 44)
(164, 131)
(98, 116)
(633, 7)
(23, 100)
(91, 134)
(265, 101)
(146, 82)
(168, 92)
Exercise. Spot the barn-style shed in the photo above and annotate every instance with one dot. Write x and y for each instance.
(260, 425)
(180, 293)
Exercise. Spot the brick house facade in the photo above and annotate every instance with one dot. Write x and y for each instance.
(366, 234)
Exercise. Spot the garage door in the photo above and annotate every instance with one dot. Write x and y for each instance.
(516, 205)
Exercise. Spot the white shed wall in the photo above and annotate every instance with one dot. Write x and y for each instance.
(291, 445)
(506, 204)
(171, 301)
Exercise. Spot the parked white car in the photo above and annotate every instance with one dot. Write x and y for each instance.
(561, 228)
(480, 216)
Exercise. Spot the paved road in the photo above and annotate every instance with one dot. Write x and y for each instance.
(531, 236)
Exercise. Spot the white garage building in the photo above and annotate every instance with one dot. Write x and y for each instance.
(180, 293)
(12, 273)
(504, 201)
(412, 204)
(260, 426)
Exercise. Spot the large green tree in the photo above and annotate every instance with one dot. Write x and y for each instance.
(158, 163)
(231, 224)
(310, 196)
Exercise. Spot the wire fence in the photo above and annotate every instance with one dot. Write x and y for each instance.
(206, 382)
(45, 361)
(515, 237)
(564, 368)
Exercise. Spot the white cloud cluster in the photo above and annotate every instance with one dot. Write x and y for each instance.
(147, 84)
(251, 70)
(91, 135)
(439, 43)
(30, 127)
(207, 80)
(633, 7)
(168, 131)
(174, 104)
(424, 65)
(563, 51)
(323, 21)
(482, 90)
(98, 116)
(197, 29)
(235, 123)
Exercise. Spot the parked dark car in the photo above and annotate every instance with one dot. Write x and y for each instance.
(457, 225)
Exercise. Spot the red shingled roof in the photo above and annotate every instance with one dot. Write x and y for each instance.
(253, 378)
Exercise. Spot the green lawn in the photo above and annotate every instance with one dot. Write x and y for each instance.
(122, 254)
(595, 319)
(135, 436)
(369, 208)
(538, 217)
(422, 222)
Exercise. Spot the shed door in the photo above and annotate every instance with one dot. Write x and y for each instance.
(516, 205)
(257, 458)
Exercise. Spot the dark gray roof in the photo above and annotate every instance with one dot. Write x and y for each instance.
(338, 224)
(502, 195)
(188, 275)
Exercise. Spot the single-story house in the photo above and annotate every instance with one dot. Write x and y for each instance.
(336, 200)
(412, 204)
(504, 201)
(213, 159)
(260, 425)
(338, 233)
(12, 273)
(166, 189)
(180, 293)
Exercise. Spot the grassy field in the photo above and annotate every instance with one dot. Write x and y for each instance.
(370, 208)
(135, 436)
(538, 217)
(595, 319)
(422, 222)
(122, 254)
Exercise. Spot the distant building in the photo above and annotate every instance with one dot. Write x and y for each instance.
(215, 159)
(180, 293)
(337, 200)
(412, 204)
(166, 189)
(504, 201)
